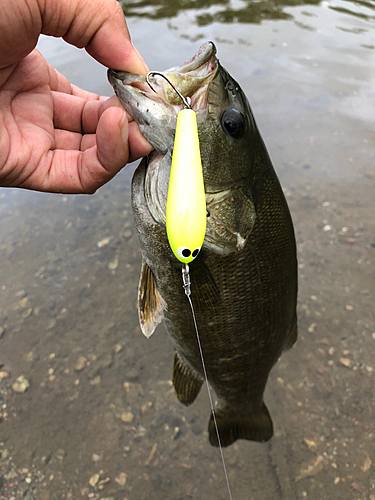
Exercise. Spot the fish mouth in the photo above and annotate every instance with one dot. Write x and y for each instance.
(191, 79)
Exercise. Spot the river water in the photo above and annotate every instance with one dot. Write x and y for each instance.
(99, 418)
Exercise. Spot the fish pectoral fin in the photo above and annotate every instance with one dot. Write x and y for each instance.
(150, 303)
(292, 336)
(256, 427)
(206, 296)
(186, 384)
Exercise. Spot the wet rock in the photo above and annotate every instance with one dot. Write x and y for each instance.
(29, 357)
(27, 313)
(196, 429)
(176, 433)
(96, 380)
(315, 466)
(81, 364)
(103, 482)
(11, 475)
(152, 453)
(21, 384)
(103, 242)
(127, 416)
(94, 479)
(366, 464)
(117, 348)
(121, 479)
(113, 265)
(310, 444)
(346, 362)
(146, 407)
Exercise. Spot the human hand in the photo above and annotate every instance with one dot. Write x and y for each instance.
(54, 136)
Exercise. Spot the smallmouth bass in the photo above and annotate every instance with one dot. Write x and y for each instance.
(244, 280)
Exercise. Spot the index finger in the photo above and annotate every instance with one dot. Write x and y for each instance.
(100, 27)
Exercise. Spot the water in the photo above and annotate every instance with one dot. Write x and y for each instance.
(70, 268)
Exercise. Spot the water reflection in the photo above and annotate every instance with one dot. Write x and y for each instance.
(224, 11)
(240, 11)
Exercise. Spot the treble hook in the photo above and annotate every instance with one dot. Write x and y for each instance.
(186, 101)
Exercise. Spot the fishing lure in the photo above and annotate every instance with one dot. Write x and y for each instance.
(186, 201)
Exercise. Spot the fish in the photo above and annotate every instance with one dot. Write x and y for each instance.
(244, 280)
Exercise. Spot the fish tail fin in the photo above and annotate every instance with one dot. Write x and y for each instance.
(186, 384)
(256, 427)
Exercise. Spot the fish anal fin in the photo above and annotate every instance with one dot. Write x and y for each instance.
(254, 427)
(292, 336)
(150, 303)
(186, 384)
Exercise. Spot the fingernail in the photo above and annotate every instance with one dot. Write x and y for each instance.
(124, 129)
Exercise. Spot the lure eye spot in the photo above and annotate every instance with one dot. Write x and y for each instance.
(195, 252)
(183, 252)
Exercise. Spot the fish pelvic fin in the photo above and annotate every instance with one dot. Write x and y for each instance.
(186, 384)
(150, 303)
(292, 336)
(256, 427)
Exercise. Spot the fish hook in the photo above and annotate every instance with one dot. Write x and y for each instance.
(186, 101)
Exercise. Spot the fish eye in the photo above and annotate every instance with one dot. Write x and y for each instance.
(233, 123)
(183, 252)
(195, 252)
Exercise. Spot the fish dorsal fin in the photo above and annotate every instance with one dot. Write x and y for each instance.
(150, 303)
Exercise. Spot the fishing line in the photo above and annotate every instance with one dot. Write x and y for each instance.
(186, 211)
(186, 285)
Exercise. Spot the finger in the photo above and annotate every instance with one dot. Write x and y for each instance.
(84, 172)
(67, 111)
(111, 153)
(111, 44)
(67, 140)
(88, 141)
(97, 25)
(76, 114)
(114, 101)
(138, 145)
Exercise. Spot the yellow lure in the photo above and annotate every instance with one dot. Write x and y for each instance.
(186, 202)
